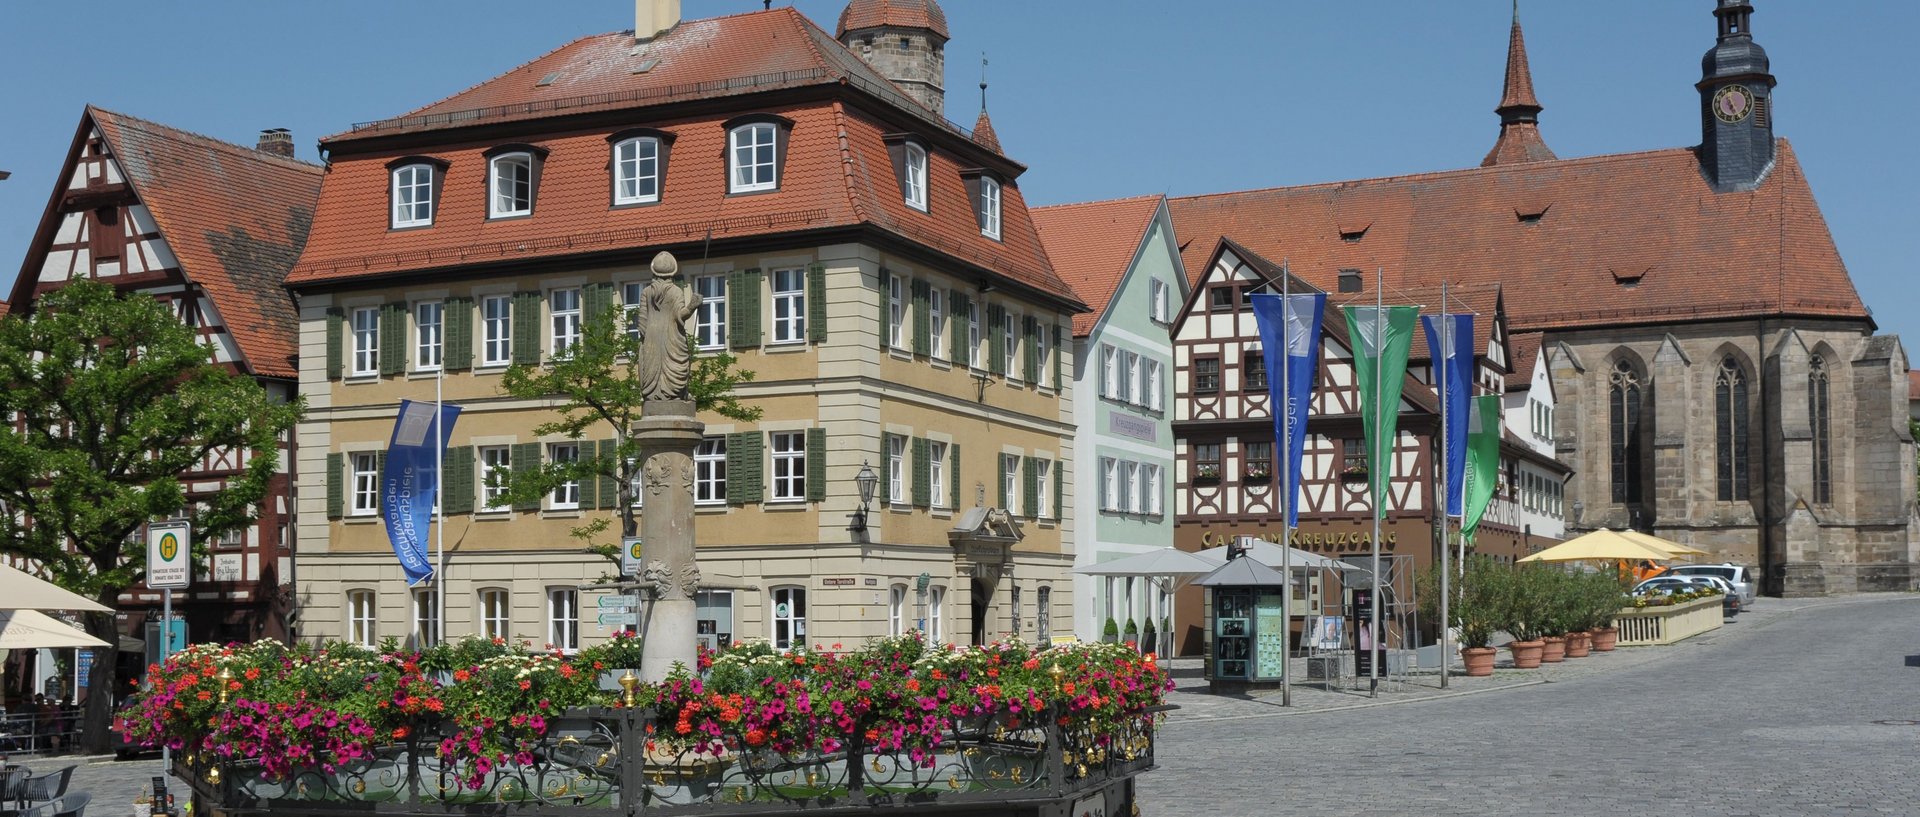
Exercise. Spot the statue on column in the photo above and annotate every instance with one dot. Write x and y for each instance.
(665, 363)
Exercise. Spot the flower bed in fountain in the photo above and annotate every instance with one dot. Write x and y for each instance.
(476, 716)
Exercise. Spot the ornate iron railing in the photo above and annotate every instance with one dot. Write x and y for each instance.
(600, 762)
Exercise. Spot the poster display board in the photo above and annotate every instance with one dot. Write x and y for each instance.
(1271, 629)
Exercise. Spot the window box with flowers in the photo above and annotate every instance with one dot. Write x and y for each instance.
(1354, 473)
(1206, 474)
(1257, 472)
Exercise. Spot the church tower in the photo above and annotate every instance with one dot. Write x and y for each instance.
(1736, 104)
(905, 40)
(1519, 111)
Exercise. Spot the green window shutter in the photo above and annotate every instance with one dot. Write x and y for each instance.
(816, 465)
(336, 343)
(743, 309)
(524, 459)
(922, 322)
(996, 340)
(1030, 486)
(745, 480)
(393, 338)
(957, 327)
(1030, 361)
(1058, 353)
(817, 303)
(610, 485)
(336, 485)
(1000, 470)
(922, 474)
(457, 326)
(456, 482)
(380, 471)
(886, 316)
(590, 482)
(526, 328)
(886, 468)
(953, 473)
(1059, 485)
(596, 299)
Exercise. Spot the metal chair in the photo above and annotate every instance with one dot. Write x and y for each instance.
(47, 787)
(12, 782)
(72, 805)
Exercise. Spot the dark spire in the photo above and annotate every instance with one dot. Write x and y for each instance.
(1736, 103)
(1519, 111)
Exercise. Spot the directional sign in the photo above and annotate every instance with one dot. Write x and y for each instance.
(619, 619)
(169, 556)
(618, 602)
(630, 549)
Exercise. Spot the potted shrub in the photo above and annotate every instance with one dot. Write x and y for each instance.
(1166, 636)
(1149, 638)
(1558, 608)
(1473, 609)
(1524, 610)
(1111, 632)
(1131, 633)
(1607, 600)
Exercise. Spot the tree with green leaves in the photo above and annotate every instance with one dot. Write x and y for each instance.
(113, 400)
(598, 386)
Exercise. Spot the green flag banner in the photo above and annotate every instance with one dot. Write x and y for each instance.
(1381, 338)
(1483, 460)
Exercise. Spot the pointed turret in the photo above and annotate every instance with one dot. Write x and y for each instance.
(1519, 111)
(983, 134)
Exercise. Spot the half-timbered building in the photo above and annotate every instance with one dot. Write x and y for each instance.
(213, 229)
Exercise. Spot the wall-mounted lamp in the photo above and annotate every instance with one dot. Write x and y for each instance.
(865, 480)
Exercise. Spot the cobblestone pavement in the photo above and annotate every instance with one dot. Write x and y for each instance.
(1771, 715)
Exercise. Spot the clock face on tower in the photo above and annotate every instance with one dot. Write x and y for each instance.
(1732, 103)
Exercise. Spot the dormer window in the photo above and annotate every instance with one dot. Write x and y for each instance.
(513, 175)
(914, 177)
(414, 191)
(754, 165)
(639, 165)
(990, 207)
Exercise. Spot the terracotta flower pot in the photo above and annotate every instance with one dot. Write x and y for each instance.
(1526, 654)
(1604, 638)
(1479, 661)
(1555, 650)
(1579, 644)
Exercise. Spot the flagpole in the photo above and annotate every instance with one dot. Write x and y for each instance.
(1440, 370)
(439, 497)
(1381, 448)
(1286, 482)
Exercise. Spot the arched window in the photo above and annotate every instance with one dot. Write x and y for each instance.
(510, 185)
(1819, 416)
(1730, 430)
(1623, 404)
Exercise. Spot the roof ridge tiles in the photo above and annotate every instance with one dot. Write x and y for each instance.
(1096, 202)
(239, 150)
(1411, 177)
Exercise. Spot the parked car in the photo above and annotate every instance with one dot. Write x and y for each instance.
(1662, 586)
(1744, 579)
(1733, 605)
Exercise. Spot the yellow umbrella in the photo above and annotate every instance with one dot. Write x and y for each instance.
(1658, 543)
(1601, 544)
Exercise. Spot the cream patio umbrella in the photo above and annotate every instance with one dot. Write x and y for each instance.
(1658, 543)
(32, 629)
(1602, 544)
(20, 590)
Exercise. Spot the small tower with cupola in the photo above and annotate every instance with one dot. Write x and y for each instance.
(905, 40)
(1736, 104)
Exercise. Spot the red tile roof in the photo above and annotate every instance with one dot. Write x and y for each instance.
(1518, 90)
(983, 134)
(1526, 350)
(861, 14)
(236, 219)
(1092, 245)
(1634, 238)
(1913, 385)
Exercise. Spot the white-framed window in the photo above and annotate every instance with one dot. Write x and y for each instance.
(495, 467)
(1043, 482)
(1043, 617)
(896, 312)
(1133, 390)
(564, 304)
(1130, 485)
(710, 322)
(789, 306)
(897, 610)
(636, 171)
(563, 619)
(566, 495)
(363, 618)
(1010, 476)
(1154, 400)
(1009, 344)
(426, 618)
(936, 622)
(752, 158)
(630, 307)
(413, 196)
(989, 208)
(710, 471)
(510, 185)
(428, 335)
(1150, 484)
(1109, 372)
(973, 335)
(789, 466)
(1157, 300)
(496, 330)
(1109, 484)
(896, 469)
(937, 321)
(496, 613)
(915, 179)
(366, 340)
(937, 472)
(789, 617)
(366, 484)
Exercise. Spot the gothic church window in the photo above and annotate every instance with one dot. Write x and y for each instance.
(1730, 430)
(1819, 416)
(1623, 405)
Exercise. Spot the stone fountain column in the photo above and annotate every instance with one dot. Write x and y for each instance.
(667, 434)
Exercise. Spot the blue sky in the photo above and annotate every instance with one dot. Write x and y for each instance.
(1103, 99)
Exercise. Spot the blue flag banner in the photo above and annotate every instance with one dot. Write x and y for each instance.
(1450, 344)
(411, 482)
(1290, 325)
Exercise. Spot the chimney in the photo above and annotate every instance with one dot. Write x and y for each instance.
(277, 141)
(652, 18)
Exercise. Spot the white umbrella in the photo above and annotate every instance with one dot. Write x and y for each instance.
(1270, 554)
(20, 590)
(31, 629)
(1167, 561)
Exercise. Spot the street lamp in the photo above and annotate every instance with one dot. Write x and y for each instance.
(866, 480)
